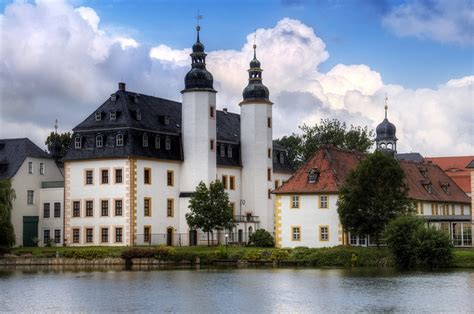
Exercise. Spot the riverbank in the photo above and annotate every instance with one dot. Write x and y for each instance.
(221, 255)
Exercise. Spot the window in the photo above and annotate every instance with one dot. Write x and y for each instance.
(157, 142)
(138, 114)
(224, 181)
(269, 153)
(147, 207)
(98, 116)
(269, 174)
(229, 151)
(211, 144)
(89, 235)
(362, 240)
(119, 140)
(145, 140)
(170, 207)
(146, 234)
(269, 122)
(104, 208)
(118, 207)
(462, 210)
(295, 233)
(89, 208)
(282, 158)
(313, 175)
(57, 235)
(30, 197)
(89, 177)
(77, 142)
(118, 176)
(57, 210)
(104, 235)
(323, 233)
(99, 141)
(30, 167)
(428, 188)
(168, 143)
(232, 182)
(75, 235)
(323, 201)
(113, 115)
(105, 176)
(46, 236)
(41, 168)
(277, 183)
(166, 120)
(170, 178)
(118, 234)
(76, 209)
(295, 201)
(274, 157)
(232, 208)
(222, 150)
(46, 210)
(269, 193)
(211, 112)
(147, 176)
(420, 205)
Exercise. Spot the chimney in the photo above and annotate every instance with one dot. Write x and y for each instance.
(121, 86)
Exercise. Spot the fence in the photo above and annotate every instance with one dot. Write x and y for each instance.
(193, 238)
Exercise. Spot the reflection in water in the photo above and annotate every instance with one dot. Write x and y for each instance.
(72, 288)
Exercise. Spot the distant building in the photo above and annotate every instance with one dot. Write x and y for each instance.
(306, 205)
(37, 215)
(456, 168)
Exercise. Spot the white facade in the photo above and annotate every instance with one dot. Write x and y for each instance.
(27, 185)
(51, 216)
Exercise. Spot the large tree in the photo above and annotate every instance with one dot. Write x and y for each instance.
(7, 195)
(302, 147)
(373, 194)
(63, 138)
(210, 209)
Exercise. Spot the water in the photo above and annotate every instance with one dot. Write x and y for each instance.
(232, 290)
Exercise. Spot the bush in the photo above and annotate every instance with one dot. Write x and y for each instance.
(278, 255)
(261, 238)
(87, 253)
(160, 252)
(413, 243)
(164, 252)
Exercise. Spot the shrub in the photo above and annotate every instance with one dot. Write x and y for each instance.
(278, 255)
(164, 252)
(87, 253)
(262, 238)
(136, 252)
(413, 243)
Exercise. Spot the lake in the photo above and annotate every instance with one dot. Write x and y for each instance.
(254, 290)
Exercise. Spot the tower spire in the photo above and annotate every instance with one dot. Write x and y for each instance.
(56, 126)
(198, 28)
(386, 105)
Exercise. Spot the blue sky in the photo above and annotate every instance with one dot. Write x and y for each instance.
(321, 59)
(352, 30)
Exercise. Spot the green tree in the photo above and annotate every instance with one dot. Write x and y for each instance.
(210, 209)
(262, 238)
(7, 195)
(412, 242)
(373, 194)
(302, 147)
(63, 138)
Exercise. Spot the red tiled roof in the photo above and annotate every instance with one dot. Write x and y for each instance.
(456, 168)
(335, 165)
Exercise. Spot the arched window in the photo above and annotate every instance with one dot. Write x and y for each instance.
(78, 142)
(99, 141)
(167, 143)
(119, 140)
(157, 142)
(229, 151)
(145, 140)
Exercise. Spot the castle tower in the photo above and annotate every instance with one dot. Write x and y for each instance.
(386, 141)
(198, 122)
(256, 147)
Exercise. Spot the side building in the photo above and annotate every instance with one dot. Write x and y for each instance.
(134, 163)
(37, 214)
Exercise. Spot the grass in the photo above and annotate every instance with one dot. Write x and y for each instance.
(324, 257)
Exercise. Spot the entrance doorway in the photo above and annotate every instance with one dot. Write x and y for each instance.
(241, 236)
(169, 236)
(192, 237)
(30, 231)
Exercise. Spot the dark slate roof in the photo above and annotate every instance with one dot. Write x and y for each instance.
(153, 111)
(416, 157)
(13, 152)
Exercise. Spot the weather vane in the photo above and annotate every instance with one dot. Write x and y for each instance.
(386, 105)
(56, 126)
(199, 17)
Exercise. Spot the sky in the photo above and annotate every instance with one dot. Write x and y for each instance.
(321, 59)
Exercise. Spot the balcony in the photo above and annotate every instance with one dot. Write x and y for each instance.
(246, 218)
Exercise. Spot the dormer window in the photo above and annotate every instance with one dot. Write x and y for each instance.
(157, 142)
(222, 150)
(282, 158)
(78, 142)
(138, 114)
(99, 141)
(135, 98)
(166, 120)
(229, 151)
(113, 97)
(145, 140)
(313, 175)
(119, 140)
(167, 143)
(445, 187)
(113, 115)
(423, 171)
(98, 116)
(428, 187)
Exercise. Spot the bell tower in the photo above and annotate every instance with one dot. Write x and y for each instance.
(386, 140)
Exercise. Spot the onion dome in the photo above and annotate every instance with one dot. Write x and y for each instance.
(386, 130)
(198, 77)
(255, 90)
